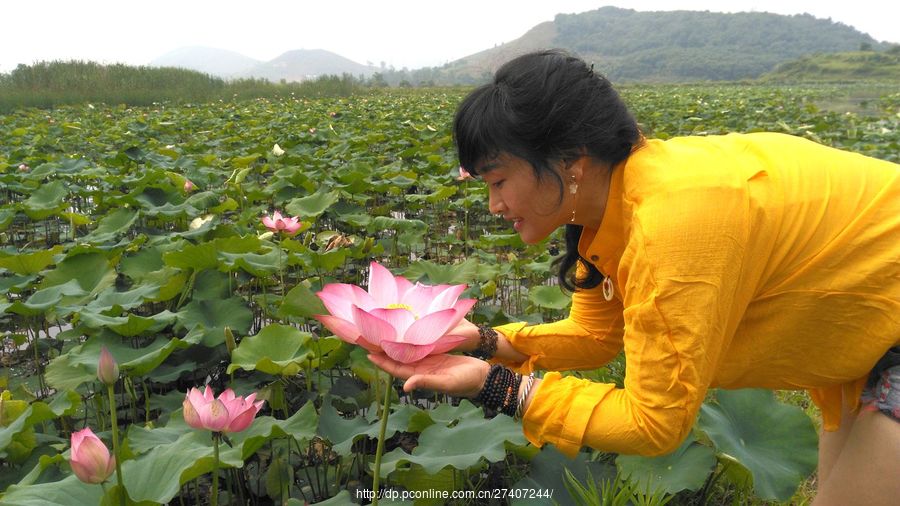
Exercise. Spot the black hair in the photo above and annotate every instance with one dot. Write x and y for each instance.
(547, 107)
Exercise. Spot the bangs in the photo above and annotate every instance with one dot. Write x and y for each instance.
(482, 129)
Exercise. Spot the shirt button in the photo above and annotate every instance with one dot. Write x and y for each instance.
(595, 258)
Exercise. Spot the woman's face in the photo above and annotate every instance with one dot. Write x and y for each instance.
(531, 205)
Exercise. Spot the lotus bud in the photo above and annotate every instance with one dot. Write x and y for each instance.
(188, 185)
(277, 151)
(230, 344)
(90, 458)
(107, 368)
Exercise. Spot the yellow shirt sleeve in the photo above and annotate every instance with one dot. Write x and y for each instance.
(590, 337)
(681, 271)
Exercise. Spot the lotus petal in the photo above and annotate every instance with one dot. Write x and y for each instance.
(382, 286)
(345, 330)
(431, 327)
(373, 329)
(406, 352)
(399, 318)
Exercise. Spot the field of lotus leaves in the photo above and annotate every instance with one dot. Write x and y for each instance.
(139, 231)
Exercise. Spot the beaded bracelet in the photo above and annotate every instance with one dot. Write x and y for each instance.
(487, 343)
(501, 387)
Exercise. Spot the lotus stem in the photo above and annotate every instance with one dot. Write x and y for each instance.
(386, 410)
(115, 441)
(214, 493)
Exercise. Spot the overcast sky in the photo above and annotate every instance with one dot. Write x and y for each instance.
(401, 33)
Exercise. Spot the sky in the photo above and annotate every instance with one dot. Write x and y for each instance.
(400, 33)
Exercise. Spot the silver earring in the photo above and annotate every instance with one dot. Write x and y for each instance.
(573, 189)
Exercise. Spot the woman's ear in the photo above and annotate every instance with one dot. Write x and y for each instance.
(574, 170)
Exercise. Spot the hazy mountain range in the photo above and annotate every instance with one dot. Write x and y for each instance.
(624, 44)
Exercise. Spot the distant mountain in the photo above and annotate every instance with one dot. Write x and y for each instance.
(304, 64)
(212, 61)
(627, 45)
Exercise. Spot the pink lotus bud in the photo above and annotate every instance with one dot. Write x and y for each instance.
(107, 368)
(23, 168)
(188, 185)
(89, 457)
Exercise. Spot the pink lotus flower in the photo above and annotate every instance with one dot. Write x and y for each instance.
(107, 368)
(463, 174)
(89, 457)
(226, 413)
(279, 223)
(188, 186)
(405, 321)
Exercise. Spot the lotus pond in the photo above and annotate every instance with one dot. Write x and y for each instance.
(138, 231)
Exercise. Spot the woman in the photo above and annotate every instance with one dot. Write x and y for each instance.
(760, 260)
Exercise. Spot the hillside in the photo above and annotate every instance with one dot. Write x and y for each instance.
(840, 67)
(304, 64)
(628, 45)
(215, 62)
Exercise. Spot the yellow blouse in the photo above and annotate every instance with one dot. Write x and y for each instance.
(756, 260)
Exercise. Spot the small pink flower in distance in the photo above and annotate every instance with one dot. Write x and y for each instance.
(89, 457)
(279, 223)
(405, 321)
(463, 174)
(188, 185)
(24, 168)
(225, 413)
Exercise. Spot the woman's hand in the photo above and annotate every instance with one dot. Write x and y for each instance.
(456, 375)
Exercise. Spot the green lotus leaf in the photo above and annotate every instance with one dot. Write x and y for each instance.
(16, 284)
(65, 492)
(30, 263)
(301, 426)
(687, 468)
(460, 446)
(313, 205)
(47, 298)
(46, 201)
(277, 349)
(206, 319)
(546, 472)
(194, 256)
(6, 217)
(300, 301)
(129, 299)
(112, 226)
(130, 325)
(92, 270)
(79, 365)
(259, 265)
(142, 263)
(343, 432)
(436, 274)
(12, 425)
(776, 442)
(158, 474)
(328, 260)
(550, 297)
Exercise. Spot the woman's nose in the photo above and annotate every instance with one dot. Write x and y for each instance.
(495, 205)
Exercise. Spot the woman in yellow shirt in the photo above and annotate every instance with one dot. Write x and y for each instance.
(758, 260)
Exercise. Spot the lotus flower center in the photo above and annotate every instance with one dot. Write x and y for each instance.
(402, 306)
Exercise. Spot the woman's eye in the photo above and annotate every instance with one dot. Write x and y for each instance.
(498, 184)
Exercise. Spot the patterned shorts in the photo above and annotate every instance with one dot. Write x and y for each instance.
(882, 392)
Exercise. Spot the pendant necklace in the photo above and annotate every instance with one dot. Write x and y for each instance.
(607, 288)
